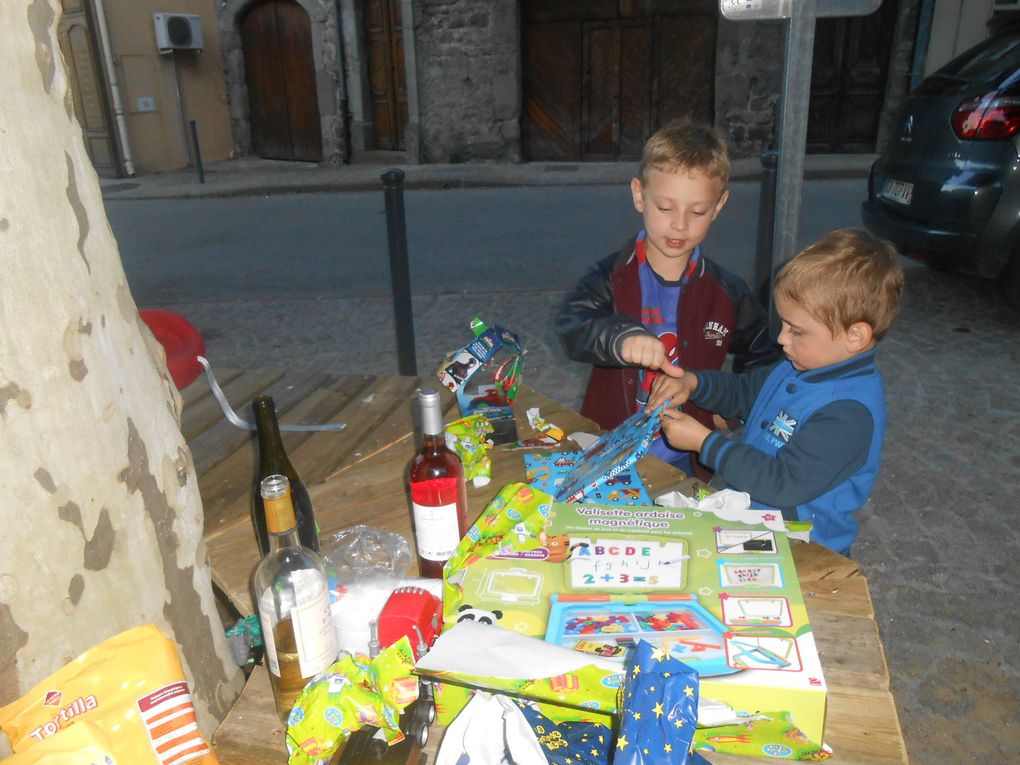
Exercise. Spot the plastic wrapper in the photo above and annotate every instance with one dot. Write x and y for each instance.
(131, 692)
(353, 692)
(469, 438)
(659, 710)
(365, 552)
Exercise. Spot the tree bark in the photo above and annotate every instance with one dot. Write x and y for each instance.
(99, 498)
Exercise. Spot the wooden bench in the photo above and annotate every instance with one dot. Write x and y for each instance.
(356, 476)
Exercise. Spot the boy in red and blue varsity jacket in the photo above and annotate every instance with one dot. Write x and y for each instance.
(660, 303)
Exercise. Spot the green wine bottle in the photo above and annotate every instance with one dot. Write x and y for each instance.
(273, 460)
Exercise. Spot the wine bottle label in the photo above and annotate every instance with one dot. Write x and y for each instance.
(309, 613)
(314, 634)
(437, 531)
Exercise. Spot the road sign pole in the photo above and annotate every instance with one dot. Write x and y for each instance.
(792, 132)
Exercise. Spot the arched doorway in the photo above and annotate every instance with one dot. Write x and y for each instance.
(276, 40)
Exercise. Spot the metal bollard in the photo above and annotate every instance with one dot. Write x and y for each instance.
(766, 222)
(766, 235)
(198, 154)
(400, 277)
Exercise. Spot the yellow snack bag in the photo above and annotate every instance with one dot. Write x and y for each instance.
(80, 744)
(131, 692)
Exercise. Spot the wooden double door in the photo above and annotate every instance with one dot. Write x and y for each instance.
(848, 75)
(600, 76)
(276, 39)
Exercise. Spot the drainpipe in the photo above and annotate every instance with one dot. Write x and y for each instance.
(111, 78)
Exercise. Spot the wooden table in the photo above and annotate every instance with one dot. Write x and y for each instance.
(357, 476)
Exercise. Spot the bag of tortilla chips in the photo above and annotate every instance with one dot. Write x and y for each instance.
(126, 698)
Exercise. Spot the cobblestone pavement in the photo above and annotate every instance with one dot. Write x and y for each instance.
(938, 539)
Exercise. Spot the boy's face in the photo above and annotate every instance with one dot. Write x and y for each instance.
(678, 208)
(809, 344)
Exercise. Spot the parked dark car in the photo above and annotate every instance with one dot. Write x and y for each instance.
(947, 189)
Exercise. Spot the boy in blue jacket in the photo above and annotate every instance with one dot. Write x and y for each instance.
(813, 424)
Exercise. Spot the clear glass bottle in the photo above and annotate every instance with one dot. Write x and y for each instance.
(438, 492)
(273, 460)
(293, 601)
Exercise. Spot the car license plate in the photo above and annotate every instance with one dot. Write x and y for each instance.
(899, 192)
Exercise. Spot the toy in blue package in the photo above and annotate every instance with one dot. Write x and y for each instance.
(614, 453)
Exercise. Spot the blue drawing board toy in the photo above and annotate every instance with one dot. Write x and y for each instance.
(610, 625)
(614, 453)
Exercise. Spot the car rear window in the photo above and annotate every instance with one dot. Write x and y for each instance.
(988, 61)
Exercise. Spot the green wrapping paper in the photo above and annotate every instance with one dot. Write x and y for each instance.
(351, 693)
(469, 438)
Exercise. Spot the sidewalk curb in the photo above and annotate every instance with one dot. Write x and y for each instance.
(254, 177)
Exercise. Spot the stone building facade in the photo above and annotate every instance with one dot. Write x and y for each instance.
(458, 71)
(447, 81)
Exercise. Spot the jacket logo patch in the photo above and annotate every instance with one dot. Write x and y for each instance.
(782, 426)
(716, 331)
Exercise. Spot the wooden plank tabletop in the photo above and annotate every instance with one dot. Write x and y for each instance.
(356, 476)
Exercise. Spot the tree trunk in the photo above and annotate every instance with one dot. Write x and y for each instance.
(99, 499)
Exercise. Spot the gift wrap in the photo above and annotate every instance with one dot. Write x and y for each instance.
(348, 695)
(725, 560)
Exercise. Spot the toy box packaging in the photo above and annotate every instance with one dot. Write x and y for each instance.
(484, 375)
(719, 593)
(604, 472)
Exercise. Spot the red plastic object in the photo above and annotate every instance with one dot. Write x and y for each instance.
(410, 611)
(180, 340)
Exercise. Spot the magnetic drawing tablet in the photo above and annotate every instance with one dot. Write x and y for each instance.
(614, 452)
(610, 625)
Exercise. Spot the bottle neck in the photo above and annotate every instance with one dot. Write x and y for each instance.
(432, 421)
(285, 538)
(270, 442)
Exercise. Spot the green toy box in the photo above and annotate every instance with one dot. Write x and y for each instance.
(718, 591)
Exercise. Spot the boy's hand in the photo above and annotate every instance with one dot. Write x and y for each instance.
(673, 389)
(648, 352)
(682, 431)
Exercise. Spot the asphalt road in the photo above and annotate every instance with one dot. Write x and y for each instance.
(329, 245)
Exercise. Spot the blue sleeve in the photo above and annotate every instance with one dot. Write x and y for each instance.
(826, 450)
(729, 394)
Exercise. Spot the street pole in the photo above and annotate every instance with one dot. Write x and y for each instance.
(800, 43)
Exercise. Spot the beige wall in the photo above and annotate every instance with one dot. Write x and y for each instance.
(955, 26)
(147, 81)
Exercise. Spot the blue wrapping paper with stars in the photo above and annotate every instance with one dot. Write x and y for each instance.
(658, 710)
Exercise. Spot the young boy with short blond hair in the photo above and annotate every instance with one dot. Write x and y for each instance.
(659, 303)
(814, 423)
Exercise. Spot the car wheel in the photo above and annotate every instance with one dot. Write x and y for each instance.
(1011, 281)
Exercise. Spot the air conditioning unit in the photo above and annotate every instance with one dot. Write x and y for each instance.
(177, 31)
